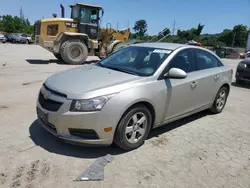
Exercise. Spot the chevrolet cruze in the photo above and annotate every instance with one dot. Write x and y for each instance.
(123, 97)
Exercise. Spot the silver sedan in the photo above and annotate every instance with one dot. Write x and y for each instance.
(124, 96)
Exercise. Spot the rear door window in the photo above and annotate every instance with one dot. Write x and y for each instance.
(205, 60)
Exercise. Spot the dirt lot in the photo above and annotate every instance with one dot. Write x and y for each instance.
(200, 151)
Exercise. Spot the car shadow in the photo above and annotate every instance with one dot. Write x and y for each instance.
(47, 141)
(176, 124)
(44, 62)
(242, 85)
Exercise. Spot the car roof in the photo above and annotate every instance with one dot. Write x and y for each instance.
(164, 45)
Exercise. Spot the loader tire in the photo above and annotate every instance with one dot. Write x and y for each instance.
(74, 52)
(118, 47)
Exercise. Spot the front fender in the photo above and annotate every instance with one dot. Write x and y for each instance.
(68, 35)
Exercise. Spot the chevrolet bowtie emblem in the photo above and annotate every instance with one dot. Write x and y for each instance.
(46, 95)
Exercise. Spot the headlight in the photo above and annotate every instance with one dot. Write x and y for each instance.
(90, 105)
(242, 65)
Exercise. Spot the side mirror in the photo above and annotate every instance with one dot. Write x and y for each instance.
(175, 73)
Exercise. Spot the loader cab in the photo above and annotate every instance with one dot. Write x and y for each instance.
(88, 19)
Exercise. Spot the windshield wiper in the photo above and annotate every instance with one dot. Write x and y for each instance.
(121, 70)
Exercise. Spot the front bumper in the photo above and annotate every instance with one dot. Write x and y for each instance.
(243, 74)
(80, 127)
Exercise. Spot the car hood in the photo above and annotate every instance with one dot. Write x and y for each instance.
(90, 81)
(246, 61)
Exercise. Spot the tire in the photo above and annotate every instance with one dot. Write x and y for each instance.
(58, 56)
(67, 50)
(217, 108)
(118, 47)
(123, 140)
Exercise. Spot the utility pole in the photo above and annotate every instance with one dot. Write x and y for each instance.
(173, 28)
(117, 26)
(233, 39)
(21, 13)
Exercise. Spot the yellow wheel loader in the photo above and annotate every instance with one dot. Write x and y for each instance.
(73, 39)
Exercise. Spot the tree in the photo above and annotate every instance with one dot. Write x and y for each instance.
(140, 28)
(15, 24)
(226, 36)
(241, 34)
(191, 34)
(8, 23)
(199, 29)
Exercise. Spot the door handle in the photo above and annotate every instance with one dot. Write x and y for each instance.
(194, 84)
(216, 76)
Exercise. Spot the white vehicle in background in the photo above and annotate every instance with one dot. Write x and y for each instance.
(27, 37)
(2, 38)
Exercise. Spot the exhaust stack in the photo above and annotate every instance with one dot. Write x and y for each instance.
(62, 10)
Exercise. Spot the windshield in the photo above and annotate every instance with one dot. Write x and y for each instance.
(141, 61)
(88, 15)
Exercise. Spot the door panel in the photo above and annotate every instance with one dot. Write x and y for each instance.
(181, 96)
(207, 86)
(208, 75)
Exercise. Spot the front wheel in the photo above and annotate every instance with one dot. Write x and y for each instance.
(74, 52)
(133, 128)
(220, 100)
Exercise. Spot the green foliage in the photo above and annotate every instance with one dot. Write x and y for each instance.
(236, 36)
(140, 28)
(15, 24)
(191, 34)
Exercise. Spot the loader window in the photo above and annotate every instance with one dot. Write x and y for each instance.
(88, 15)
(75, 13)
(52, 30)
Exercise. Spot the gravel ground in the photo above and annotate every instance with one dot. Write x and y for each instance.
(199, 151)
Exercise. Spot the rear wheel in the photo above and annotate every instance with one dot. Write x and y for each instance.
(220, 100)
(74, 51)
(133, 128)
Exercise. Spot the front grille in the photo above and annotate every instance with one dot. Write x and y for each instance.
(84, 133)
(248, 66)
(55, 92)
(49, 104)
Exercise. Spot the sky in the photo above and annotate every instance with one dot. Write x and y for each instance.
(216, 15)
